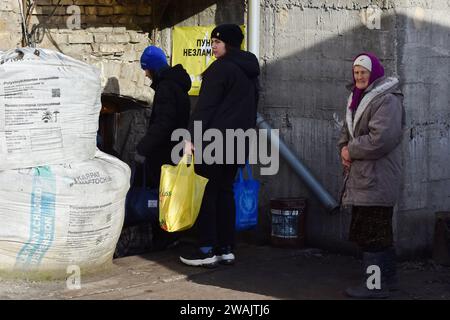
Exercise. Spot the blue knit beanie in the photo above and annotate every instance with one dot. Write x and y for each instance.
(153, 58)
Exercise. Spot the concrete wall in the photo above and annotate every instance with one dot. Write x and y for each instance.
(306, 66)
(10, 30)
(424, 66)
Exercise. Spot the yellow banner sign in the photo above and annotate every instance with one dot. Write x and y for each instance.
(191, 47)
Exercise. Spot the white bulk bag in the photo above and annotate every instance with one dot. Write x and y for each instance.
(53, 217)
(49, 108)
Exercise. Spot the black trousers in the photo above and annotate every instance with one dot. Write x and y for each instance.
(216, 220)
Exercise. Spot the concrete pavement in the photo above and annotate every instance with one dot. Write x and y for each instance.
(260, 273)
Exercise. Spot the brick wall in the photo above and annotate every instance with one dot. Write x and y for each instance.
(10, 29)
(111, 36)
(113, 33)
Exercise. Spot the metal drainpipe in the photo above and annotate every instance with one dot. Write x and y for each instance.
(253, 26)
(316, 188)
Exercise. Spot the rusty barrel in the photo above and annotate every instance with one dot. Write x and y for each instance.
(288, 222)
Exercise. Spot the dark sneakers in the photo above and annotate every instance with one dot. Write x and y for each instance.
(200, 259)
(222, 255)
(225, 255)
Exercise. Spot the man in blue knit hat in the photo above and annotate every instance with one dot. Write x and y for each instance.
(153, 60)
(170, 111)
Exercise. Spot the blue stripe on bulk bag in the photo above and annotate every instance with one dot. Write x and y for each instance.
(42, 219)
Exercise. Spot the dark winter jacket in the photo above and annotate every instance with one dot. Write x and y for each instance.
(170, 111)
(229, 93)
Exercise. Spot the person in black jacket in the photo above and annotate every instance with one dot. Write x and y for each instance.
(228, 100)
(170, 111)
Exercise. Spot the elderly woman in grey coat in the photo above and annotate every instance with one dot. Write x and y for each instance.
(371, 157)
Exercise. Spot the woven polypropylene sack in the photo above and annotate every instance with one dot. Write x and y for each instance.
(58, 216)
(49, 108)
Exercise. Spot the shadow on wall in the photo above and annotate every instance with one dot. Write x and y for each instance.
(53, 23)
(227, 11)
(123, 122)
(305, 69)
(135, 14)
(112, 37)
(112, 86)
(175, 12)
(304, 95)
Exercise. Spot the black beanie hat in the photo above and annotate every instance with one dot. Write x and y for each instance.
(229, 33)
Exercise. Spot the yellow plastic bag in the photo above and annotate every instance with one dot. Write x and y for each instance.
(180, 195)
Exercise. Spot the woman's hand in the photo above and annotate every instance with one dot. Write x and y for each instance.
(345, 157)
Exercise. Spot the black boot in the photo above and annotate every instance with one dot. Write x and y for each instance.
(362, 291)
(390, 269)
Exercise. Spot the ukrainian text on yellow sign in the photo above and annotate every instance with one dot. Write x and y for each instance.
(191, 47)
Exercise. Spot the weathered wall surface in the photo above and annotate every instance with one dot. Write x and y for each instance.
(111, 35)
(424, 66)
(10, 30)
(306, 66)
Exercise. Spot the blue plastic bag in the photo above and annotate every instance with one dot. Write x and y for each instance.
(246, 200)
(141, 202)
